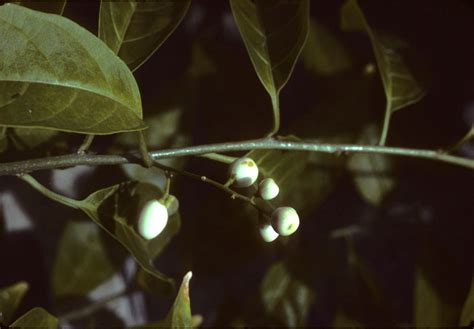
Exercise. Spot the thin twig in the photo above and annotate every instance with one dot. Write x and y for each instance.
(64, 161)
(86, 143)
(223, 187)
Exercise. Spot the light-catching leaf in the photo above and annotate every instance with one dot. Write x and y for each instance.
(47, 6)
(274, 33)
(285, 297)
(401, 87)
(10, 298)
(430, 307)
(323, 53)
(36, 318)
(55, 74)
(371, 171)
(80, 249)
(135, 30)
(116, 210)
(179, 315)
(467, 315)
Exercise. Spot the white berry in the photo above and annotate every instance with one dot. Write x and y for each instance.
(268, 189)
(268, 233)
(285, 220)
(244, 171)
(152, 220)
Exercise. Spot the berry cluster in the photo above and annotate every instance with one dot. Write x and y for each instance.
(244, 172)
(283, 220)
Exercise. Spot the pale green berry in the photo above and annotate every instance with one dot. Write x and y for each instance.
(244, 171)
(285, 220)
(268, 233)
(268, 189)
(152, 219)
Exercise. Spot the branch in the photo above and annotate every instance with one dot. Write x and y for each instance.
(64, 161)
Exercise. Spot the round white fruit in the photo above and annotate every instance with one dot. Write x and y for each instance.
(285, 220)
(244, 171)
(268, 233)
(268, 189)
(152, 219)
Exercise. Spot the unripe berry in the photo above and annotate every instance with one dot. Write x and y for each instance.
(152, 219)
(268, 233)
(268, 189)
(285, 220)
(244, 171)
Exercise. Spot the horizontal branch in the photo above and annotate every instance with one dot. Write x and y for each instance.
(64, 161)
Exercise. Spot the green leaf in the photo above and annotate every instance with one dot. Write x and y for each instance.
(10, 298)
(439, 293)
(3, 139)
(274, 33)
(179, 315)
(116, 210)
(467, 315)
(29, 138)
(430, 307)
(401, 87)
(324, 54)
(55, 74)
(285, 297)
(47, 6)
(36, 318)
(371, 172)
(80, 249)
(135, 30)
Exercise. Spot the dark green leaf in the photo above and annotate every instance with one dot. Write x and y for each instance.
(135, 30)
(323, 53)
(55, 74)
(467, 315)
(274, 33)
(285, 297)
(180, 314)
(36, 318)
(47, 6)
(3, 139)
(80, 249)
(401, 87)
(116, 209)
(430, 307)
(29, 138)
(371, 171)
(10, 298)
(150, 284)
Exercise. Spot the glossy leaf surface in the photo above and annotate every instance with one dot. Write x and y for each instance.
(135, 29)
(36, 318)
(274, 33)
(55, 74)
(10, 298)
